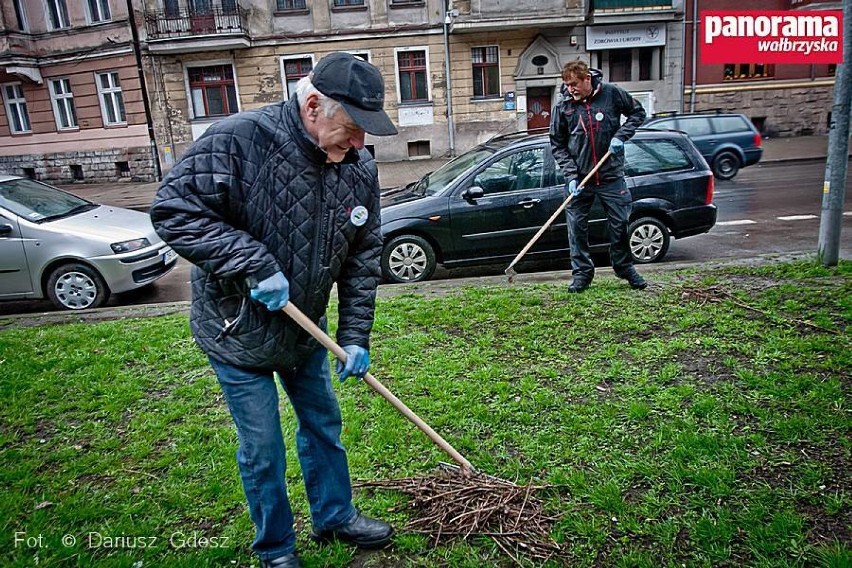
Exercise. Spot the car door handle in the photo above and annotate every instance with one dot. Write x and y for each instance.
(527, 203)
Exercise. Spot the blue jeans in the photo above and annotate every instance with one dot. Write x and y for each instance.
(252, 398)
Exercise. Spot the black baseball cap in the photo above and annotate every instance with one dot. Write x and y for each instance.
(358, 86)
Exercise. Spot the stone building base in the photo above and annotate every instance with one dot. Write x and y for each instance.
(777, 112)
(88, 166)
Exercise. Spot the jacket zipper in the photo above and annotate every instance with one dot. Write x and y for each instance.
(594, 151)
(319, 229)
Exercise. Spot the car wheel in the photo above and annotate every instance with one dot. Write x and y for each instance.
(76, 287)
(408, 258)
(649, 240)
(726, 165)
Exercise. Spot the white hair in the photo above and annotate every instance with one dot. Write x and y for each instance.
(304, 89)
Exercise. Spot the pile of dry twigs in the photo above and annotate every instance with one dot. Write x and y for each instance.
(450, 504)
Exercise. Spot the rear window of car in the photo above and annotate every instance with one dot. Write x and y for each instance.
(698, 126)
(661, 125)
(730, 124)
(643, 157)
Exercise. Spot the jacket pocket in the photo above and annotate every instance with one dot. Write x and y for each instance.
(232, 311)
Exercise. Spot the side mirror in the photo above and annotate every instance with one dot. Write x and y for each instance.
(5, 230)
(473, 193)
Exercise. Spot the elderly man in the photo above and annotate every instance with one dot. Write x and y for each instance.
(278, 205)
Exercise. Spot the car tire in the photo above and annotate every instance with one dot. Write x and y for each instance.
(407, 259)
(76, 287)
(726, 165)
(648, 239)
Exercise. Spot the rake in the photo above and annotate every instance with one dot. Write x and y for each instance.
(510, 270)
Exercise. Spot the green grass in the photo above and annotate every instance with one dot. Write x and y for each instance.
(677, 429)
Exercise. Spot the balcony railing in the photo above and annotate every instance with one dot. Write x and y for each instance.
(630, 5)
(229, 20)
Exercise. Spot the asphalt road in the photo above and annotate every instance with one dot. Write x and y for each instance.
(771, 208)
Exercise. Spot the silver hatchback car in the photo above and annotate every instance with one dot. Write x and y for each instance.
(74, 252)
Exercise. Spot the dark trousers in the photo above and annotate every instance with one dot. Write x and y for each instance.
(616, 201)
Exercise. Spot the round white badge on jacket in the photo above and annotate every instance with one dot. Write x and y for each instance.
(359, 216)
(599, 116)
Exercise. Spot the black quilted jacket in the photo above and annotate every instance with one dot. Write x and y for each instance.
(252, 196)
(580, 131)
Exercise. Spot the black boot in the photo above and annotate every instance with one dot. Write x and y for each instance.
(578, 285)
(286, 561)
(634, 279)
(362, 531)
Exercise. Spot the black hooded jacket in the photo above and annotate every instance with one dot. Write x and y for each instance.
(252, 196)
(580, 131)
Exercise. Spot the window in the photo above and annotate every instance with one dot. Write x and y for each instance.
(57, 14)
(112, 102)
(695, 126)
(412, 76)
(642, 157)
(419, 149)
(620, 65)
(727, 124)
(213, 90)
(744, 71)
(284, 5)
(63, 104)
(633, 64)
(16, 108)
(518, 171)
(20, 15)
(292, 70)
(99, 10)
(486, 73)
(340, 3)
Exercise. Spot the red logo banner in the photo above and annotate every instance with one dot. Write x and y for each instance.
(803, 37)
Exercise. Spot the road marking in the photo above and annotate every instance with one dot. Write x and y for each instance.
(738, 222)
(796, 217)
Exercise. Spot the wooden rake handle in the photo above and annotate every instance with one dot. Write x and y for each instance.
(509, 270)
(338, 351)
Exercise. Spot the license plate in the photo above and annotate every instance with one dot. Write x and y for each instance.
(169, 256)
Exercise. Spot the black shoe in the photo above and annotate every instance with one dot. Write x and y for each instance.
(363, 532)
(286, 561)
(634, 279)
(578, 286)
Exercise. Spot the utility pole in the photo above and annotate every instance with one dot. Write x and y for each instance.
(448, 20)
(834, 186)
(137, 52)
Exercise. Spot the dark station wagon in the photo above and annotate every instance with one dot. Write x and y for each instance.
(728, 141)
(485, 205)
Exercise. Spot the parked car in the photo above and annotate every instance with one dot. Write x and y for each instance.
(74, 252)
(727, 141)
(485, 205)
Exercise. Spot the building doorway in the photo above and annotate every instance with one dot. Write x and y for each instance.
(539, 105)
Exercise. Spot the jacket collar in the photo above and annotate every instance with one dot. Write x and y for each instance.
(305, 141)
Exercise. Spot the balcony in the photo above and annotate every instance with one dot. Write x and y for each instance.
(630, 11)
(630, 5)
(187, 31)
(499, 15)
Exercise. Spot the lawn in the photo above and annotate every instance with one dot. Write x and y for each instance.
(703, 422)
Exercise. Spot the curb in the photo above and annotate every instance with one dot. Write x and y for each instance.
(432, 288)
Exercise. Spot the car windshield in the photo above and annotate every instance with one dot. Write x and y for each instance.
(435, 182)
(38, 202)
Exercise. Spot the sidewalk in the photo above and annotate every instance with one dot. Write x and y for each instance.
(394, 174)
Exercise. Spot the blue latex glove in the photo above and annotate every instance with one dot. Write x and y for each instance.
(357, 362)
(573, 189)
(273, 292)
(616, 146)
